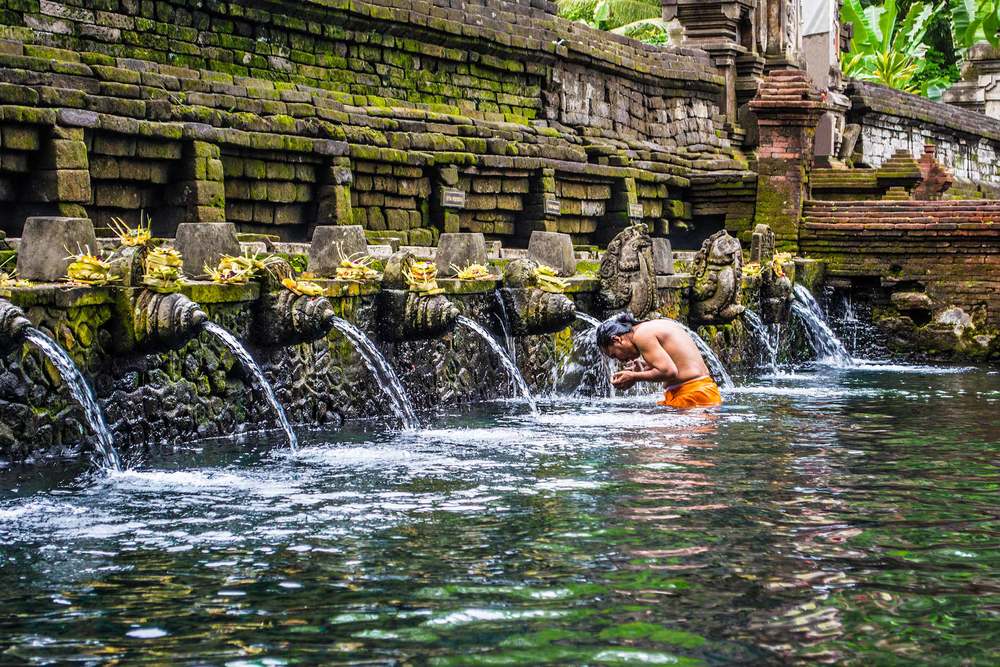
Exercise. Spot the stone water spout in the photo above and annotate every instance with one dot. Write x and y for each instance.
(405, 314)
(283, 317)
(13, 325)
(164, 320)
(529, 309)
(775, 287)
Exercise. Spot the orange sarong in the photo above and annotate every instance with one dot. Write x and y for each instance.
(697, 393)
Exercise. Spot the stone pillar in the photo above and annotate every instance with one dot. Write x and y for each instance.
(727, 30)
(541, 206)
(333, 196)
(623, 210)
(979, 89)
(788, 109)
(61, 184)
(199, 190)
(447, 199)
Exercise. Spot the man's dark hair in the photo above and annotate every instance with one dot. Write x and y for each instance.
(616, 325)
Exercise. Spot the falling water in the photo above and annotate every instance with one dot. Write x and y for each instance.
(250, 366)
(829, 349)
(762, 334)
(512, 370)
(713, 362)
(385, 376)
(81, 393)
(505, 328)
(598, 372)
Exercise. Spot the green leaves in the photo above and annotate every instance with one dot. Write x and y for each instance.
(975, 21)
(883, 49)
(639, 19)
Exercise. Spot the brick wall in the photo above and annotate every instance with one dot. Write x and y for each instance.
(947, 249)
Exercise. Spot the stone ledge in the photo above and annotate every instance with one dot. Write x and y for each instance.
(58, 295)
(204, 291)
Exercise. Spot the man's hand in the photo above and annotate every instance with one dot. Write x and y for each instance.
(623, 380)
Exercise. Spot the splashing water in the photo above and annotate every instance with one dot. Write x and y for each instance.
(251, 368)
(106, 455)
(512, 370)
(383, 372)
(829, 350)
(597, 374)
(760, 331)
(715, 367)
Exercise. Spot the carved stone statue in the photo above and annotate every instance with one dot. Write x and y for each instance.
(628, 277)
(718, 272)
(529, 309)
(775, 287)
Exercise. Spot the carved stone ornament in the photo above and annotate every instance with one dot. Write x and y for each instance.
(628, 277)
(775, 287)
(403, 314)
(13, 324)
(718, 273)
(531, 310)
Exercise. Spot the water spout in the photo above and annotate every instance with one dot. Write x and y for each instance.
(715, 366)
(254, 371)
(829, 350)
(505, 327)
(383, 372)
(512, 370)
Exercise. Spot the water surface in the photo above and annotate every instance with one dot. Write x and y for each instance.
(835, 515)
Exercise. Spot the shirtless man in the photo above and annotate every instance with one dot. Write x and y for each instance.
(658, 351)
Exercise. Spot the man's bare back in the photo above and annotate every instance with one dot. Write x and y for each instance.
(668, 354)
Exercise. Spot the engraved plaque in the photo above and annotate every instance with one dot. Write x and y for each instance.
(452, 198)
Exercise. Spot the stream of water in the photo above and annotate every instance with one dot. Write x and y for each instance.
(255, 373)
(829, 350)
(512, 370)
(384, 374)
(715, 365)
(105, 454)
(831, 516)
(764, 338)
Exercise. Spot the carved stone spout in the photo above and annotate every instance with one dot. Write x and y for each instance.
(718, 274)
(286, 318)
(13, 324)
(283, 317)
(775, 287)
(404, 314)
(529, 309)
(167, 320)
(628, 276)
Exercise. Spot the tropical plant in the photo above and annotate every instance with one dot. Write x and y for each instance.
(639, 19)
(885, 50)
(974, 21)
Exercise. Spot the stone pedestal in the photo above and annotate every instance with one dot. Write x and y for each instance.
(331, 244)
(663, 257)
(553, 249)
(459, 250)
(46, 244)
(204, 243)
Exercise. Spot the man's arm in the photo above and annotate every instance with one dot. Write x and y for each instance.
(661, 367)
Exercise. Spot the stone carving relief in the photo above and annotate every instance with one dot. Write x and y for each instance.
(628, 277)
(775, 287)
(531, 310)
(718, 272)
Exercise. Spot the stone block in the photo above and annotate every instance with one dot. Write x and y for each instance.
(553, 249)
(42, 254)
(204, 243)
(459, 250)
(663, 257)
(331, 243)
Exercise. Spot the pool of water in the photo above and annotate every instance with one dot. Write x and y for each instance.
(843, 516)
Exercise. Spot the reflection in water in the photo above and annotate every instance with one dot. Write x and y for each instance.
(846, 517)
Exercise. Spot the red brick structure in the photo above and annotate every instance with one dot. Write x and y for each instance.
(788, 108)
